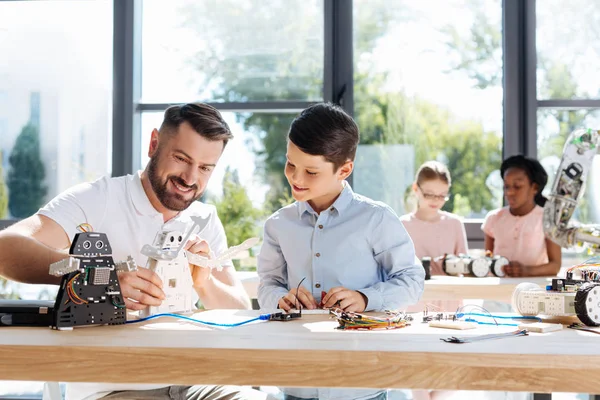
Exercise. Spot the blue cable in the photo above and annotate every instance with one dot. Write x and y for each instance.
(262, 317)
(500, 316)
(488, 323)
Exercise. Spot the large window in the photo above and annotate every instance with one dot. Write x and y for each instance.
(232, 51)
(55, 99)
(568, 51)
(428, 86)
(55, 113)
(568, 86)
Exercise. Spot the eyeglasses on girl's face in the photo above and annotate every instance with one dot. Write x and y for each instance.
(431, 196)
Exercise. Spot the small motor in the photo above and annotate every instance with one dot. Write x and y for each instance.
(497, 264)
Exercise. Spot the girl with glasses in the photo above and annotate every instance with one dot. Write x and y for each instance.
(434, 232)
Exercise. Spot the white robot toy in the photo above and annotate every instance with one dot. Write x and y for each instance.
(174, 271)
(573, 295)
(463, 264)
(172, 265)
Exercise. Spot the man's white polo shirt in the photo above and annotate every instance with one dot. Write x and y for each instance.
(120, 208)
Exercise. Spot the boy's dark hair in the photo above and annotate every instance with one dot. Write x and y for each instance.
(534, 171)
(325, 129)
(205, 119)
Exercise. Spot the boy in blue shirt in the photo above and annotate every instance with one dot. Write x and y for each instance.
(352, 248)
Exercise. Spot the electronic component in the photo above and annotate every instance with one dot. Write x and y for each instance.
(356, 321)
(26, 312)
(541, 327)
(288, 316)
(581, 299)
(567, 190)
(438, 316)
(99, 276)
(581, 327)
(283, 316)
(470, 339)
(449, 324)
(497, 264)
(89, 294)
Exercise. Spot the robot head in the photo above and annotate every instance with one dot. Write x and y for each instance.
(169, 240)
(90, 244)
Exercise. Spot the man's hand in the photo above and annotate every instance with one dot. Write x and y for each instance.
(346, 299)
(515, 268)
(200, 274)
(141, 288)
(304, 299)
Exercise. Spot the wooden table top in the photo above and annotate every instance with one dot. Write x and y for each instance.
(305, 352)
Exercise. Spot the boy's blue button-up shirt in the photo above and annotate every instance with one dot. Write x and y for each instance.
(357, 243)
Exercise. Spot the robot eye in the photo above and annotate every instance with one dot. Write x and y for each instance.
(180, 238)
(172, 239)
(99, 244)
(87, 244)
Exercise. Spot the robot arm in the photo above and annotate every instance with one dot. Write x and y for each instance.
(567, 190)
(222, 258)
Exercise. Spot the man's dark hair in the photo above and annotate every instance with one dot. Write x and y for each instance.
(534, 171)
(205, 119)
(325, 129)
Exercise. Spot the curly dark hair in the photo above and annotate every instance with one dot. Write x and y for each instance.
(534, 171)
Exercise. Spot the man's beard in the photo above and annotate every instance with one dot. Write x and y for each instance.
(171, 201)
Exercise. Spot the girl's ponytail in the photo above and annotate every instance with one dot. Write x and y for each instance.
(540, 199)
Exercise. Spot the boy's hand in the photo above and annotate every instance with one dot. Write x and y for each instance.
(304, 299)
(141, 288)
(200, 274)
(346, 299)
(515, 268)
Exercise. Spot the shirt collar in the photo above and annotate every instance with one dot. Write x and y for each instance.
(304, 207)
(138, 196)
(344, 199)
(339, 205)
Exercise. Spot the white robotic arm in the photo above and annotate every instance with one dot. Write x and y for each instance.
(567, 190)
(571, 295)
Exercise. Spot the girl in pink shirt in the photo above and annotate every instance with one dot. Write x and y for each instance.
(516, 231)
(434, 232)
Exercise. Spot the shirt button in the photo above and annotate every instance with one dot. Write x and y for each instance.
(320, 226)
(318, 254)
(332, 209)
(318, 285)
